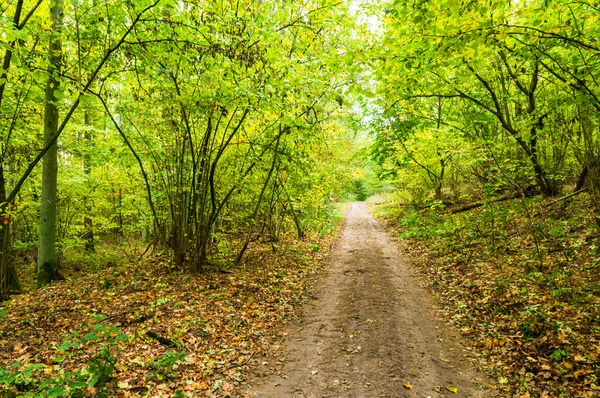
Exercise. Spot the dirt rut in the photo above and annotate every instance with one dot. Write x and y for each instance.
(369, 332)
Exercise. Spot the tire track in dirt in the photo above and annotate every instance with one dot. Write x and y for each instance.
(369, 330)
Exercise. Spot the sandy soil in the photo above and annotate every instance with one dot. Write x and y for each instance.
(369, 332)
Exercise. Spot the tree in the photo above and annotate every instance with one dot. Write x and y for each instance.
(47, 260)
(25, 97)
(502, 62)
(223, 108)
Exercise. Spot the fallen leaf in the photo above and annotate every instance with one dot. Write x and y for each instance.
(408, 385)
(452, 389)
(567, 365)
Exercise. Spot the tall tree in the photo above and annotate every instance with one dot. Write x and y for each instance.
(47, 259)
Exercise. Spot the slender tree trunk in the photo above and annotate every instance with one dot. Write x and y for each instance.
(9, 51)
(440, 181)
(240, 254)
(87, 169)
(119, 217)
(47, 259)
(296, 218)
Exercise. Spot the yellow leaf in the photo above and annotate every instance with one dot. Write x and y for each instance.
(408, 385)
(567, 365)
(452, 389)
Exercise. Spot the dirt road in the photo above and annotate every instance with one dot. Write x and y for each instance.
(369, 332)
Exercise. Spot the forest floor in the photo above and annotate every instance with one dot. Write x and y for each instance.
(371, 331)
(139, 328)
(519, 280)
(516, 297)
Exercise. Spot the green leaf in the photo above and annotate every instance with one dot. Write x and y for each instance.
(58, 94)
(86, 99)
(93, 379)
(91, 337)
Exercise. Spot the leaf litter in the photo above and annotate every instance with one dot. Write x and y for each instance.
(169, 332)
(533, 320)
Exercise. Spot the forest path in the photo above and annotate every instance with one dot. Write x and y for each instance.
(369, 331)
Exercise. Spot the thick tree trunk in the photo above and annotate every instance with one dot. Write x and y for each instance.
(8, 275)
(47, 259)
(10, 281)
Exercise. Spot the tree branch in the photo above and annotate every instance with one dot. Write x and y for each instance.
(67, 118)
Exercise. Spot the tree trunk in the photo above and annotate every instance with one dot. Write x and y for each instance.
(8, 275)
(119, 217)
(8, 53)
(238, 258)
(88, 226)
(590, 175)
(47, 260)
(296, 218)
(547, 186)
(439, 184)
